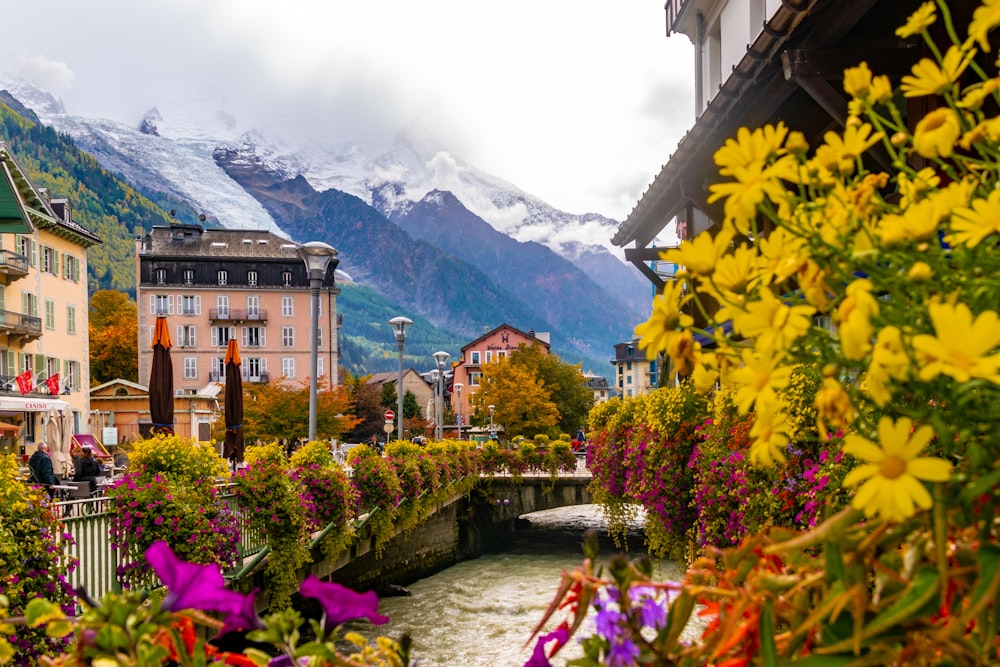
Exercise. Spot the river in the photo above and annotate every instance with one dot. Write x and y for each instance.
(480, 613)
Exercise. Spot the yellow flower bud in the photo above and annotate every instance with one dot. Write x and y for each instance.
(919, 272)
(898, 139)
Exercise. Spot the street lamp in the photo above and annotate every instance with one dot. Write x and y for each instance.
(458, 400)
(317, 256)
(492, 409)
(399, 324)
(440, 357)
(435, 375)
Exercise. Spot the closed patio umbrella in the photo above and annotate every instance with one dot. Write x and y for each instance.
(233, 449)
(161, 381)
(61, 460)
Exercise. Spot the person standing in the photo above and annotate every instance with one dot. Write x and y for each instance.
(42, 472)
(87, 469)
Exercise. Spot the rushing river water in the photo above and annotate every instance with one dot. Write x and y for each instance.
(480, 613)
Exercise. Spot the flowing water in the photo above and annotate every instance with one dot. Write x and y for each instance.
(480, 613)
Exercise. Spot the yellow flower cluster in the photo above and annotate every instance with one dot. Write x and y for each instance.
(886, 281)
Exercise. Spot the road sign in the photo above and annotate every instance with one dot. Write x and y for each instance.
(388, 427)
(389, 415)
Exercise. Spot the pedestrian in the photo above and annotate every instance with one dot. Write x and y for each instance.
(87, 468)
(42, 472)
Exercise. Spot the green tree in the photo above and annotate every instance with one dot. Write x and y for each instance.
(565, 383)
(522, 401)
(388, 396)
(114, 340)
(411, 408)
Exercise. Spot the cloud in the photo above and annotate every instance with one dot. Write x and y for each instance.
(51, 75)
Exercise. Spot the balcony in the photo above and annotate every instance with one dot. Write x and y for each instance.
(27, 327)
(12, 265)
(262, 378)
(673, 9)
(237, 315)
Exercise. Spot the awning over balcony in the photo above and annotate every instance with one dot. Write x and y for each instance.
(18, 404)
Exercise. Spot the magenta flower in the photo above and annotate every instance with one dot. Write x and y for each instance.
(538, 658)
(193, 586)
(340, 603)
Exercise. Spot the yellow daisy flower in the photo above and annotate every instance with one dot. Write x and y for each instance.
(970, 225)
(700, 254)
(833, 406)
(961, 349)
(937, 133)
(919, 21)
(839, 154)
(984, 20)
(683, 349)
(892, 473)
(666, 318)
(889, 363)
(768, 433)
(781, 256)
(928, 78)
(912, 189)
(749, 148)
(773, 322)
(853, 317)
(760, 377)
(735, 271)
(975, 95)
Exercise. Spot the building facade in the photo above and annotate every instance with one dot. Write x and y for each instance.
(491, 346)
(634, 374)
(214, 285)
(598, 384)
(44, 333)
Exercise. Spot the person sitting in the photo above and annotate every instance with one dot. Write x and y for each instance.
(41, 468)
(87, 469)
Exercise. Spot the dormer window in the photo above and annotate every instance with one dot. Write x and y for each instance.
(286, 278)
(252, 278)
(189, 276)
(223, 277)
(161, 276)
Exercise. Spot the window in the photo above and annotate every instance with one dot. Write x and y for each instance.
(319, 367)
(489, 356)
(50, 314)
(186, 336)
(286, 278)
(252, 278)
(52, 369)
(501, 354)
(27, 361)
(190, 368)
(628, 365)
(253, 306)
(161, 304)
(474, 378)
(71, 270)
(254, 368)
(71, 319)
(287, 306)
(223, 277)
(222, 335)
(474, 358)
(288, 367)
(161, 276)
(287, 336)
(29, 249)
(50, 261)
(319, 337)
(191, 305)
(71, 376)
(29, 303)
(253, 336)
(188, 276)
(222, 305)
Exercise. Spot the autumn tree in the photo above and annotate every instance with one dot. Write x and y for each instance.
(114, 340)
(565, 383)
(367, 407)
(522, 402)
(273, 410)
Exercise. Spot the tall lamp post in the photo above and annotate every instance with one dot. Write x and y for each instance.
(435, 376)
(493, 432)
(440, 357)
(317, 256)
(458, 400)
(399, 324)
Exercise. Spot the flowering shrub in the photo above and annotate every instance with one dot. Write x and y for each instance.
(34, 562)
(168, 494)
(904, 266)
(274, 507)
(176, 628)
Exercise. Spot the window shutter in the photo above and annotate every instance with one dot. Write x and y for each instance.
(192, 336)
(215, 339)
(180, 336)
(263, 336)
(170, 304)
(152, 304)
(197, 304)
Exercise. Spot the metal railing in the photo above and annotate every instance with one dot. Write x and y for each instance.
(243, 315)
(13, 262)
(20, 323)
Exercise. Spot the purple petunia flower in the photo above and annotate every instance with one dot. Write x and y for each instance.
(538, 658)
(193, 586)
(340, 603)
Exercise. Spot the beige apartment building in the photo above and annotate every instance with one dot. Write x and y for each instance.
(43, 313)
(214, 285)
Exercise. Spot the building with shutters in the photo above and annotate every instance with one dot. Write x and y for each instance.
(214, 285)
(44, 336)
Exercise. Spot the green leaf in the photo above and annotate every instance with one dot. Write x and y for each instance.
(40, 611)
(834, 563)
(979, 486)
(815, 660)
(677, 618)
(767, 648)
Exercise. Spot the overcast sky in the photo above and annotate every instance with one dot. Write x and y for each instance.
(578, 102)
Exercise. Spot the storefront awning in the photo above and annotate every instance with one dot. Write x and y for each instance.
(17, 404)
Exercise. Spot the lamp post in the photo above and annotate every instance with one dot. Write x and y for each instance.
(440, 357)
(492, 409)
(399, 324)
(435, 375)
(458, 400)
(317, 257)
